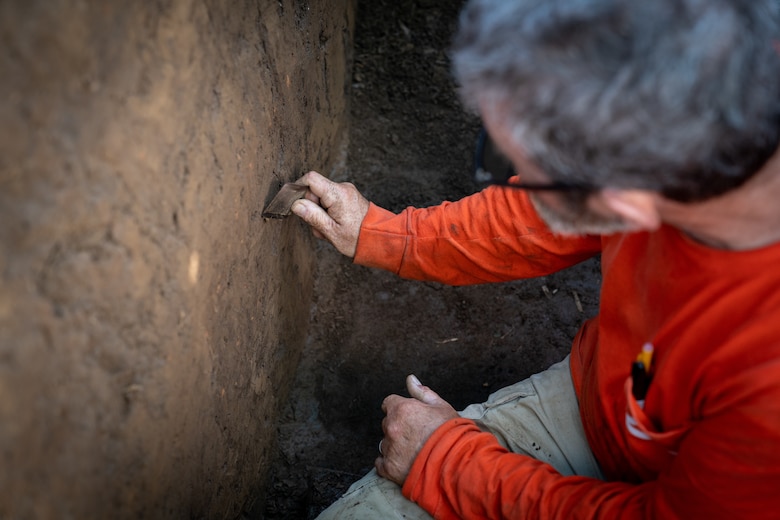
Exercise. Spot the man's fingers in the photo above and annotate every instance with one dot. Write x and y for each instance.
(314, 215)
(329, 193)
(312, 197)
(388, 401)
(335, 210)
(421, 392)
(321, 187)
(389, 470)
(379, 464)
(312, 178)
(417, 390)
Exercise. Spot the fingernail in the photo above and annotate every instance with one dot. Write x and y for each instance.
(415, 381)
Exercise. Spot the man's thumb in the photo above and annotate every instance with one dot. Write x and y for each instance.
(312, 214)
(420, 392)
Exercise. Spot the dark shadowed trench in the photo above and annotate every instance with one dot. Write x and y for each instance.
(411, 143)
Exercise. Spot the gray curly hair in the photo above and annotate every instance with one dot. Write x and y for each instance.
(677, 96)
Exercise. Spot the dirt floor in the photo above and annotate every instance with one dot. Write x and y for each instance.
(411, 143)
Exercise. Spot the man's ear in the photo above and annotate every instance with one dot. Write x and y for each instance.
(636, 207)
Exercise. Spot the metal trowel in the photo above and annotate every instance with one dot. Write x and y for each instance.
(280, 205)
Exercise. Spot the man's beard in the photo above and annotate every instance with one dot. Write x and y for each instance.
(578, 219)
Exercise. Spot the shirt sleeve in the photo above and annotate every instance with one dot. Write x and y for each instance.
(463, 472)
(492, 236)
(728, 466)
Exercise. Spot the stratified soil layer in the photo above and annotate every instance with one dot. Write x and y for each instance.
(150, 319)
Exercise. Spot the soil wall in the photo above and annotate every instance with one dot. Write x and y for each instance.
(150, 319)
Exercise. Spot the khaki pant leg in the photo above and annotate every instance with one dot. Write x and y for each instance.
(538, 417)
(374, 497)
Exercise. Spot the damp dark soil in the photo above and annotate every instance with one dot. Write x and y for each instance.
(411, 143)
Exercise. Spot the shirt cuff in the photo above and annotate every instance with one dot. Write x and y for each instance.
(428, 493)
(382, 239)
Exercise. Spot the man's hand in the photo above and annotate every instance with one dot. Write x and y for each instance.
(407, 425)
(335, 211)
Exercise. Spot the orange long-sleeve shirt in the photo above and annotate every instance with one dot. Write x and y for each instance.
(706, 443)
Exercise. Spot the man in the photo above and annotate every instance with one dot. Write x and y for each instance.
(647, 132)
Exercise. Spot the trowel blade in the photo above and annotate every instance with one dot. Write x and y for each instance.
(280, 205)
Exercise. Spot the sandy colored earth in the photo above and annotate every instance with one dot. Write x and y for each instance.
(150, 319)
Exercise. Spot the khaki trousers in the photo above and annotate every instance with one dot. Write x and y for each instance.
(538, 417)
